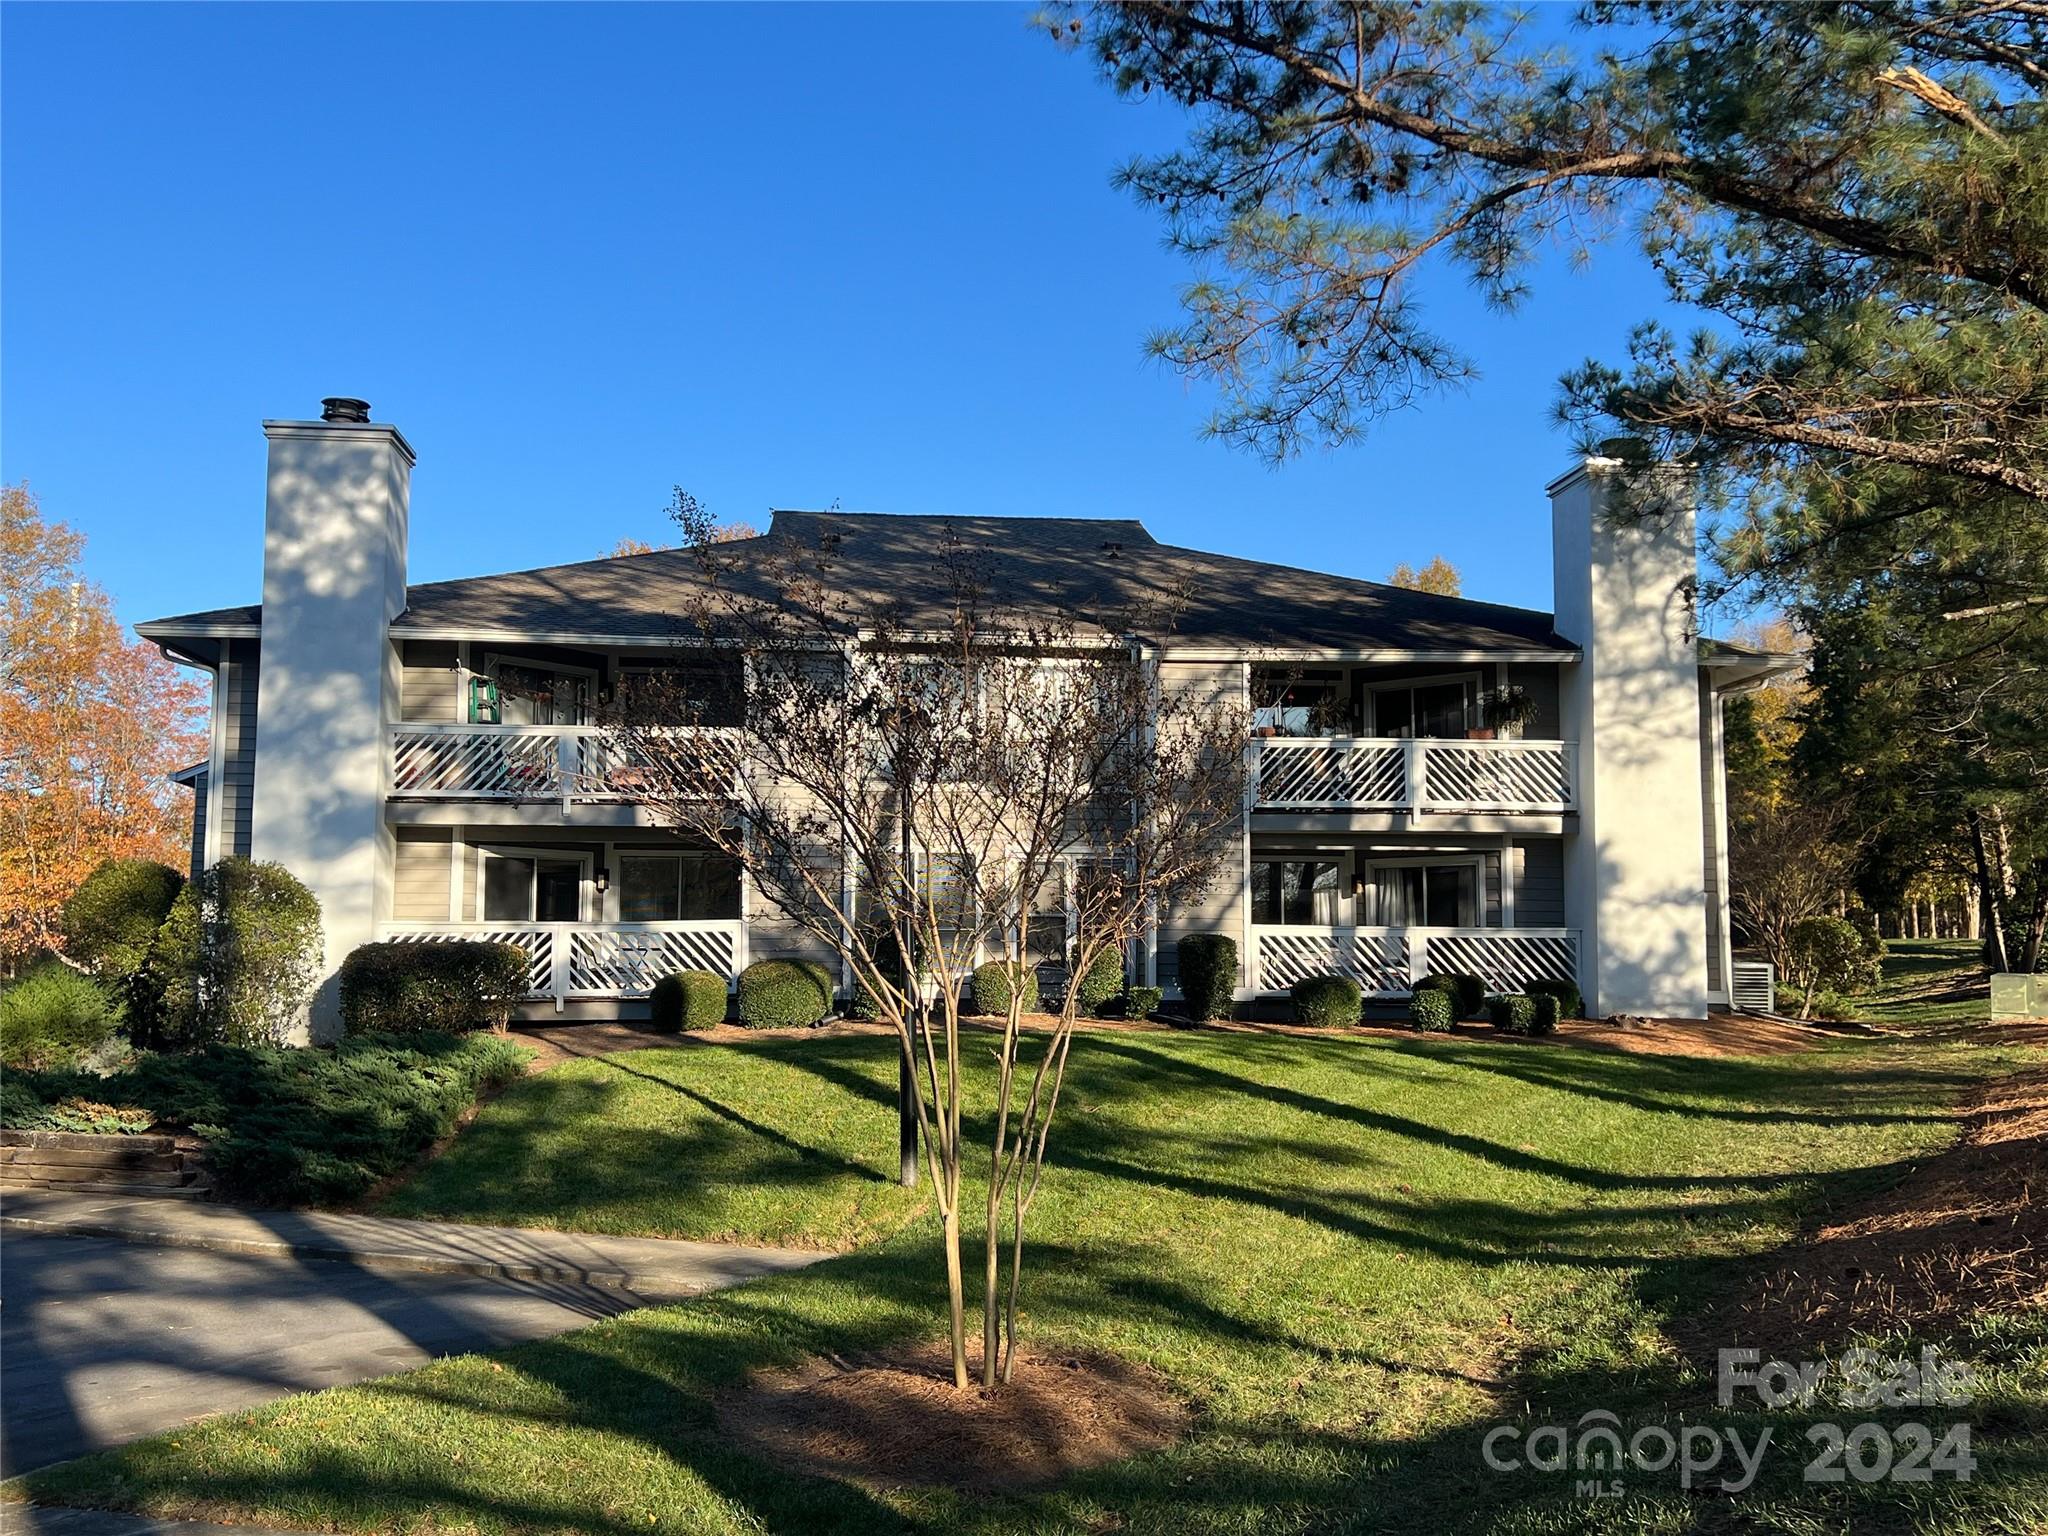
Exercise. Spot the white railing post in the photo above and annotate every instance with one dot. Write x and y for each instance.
(567, 759)
(561, 948)
(1413, 770)
(1418, 959)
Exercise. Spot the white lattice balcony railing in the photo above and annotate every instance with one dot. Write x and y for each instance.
(1389, 961)
(1368, 773)
(568, 763)
(599, 960)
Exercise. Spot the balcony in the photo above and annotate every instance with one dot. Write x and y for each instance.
(1414, 774)
(570, 961)
(564, 763)
(1387, 962)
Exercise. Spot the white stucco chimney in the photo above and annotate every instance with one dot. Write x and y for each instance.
(1634, 877)
(334, 535)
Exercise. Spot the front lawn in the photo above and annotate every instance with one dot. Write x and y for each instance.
(1353, 1256)
(1929, 981)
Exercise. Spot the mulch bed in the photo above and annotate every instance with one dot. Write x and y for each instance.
(897, 1420)
(1966, 1232)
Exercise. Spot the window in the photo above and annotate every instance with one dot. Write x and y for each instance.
(1435, 706)
(1295, 703)
(531, 887)
(1423, 895)
(536, 694)
(707, 693)
(1296, 891)
(677, 887)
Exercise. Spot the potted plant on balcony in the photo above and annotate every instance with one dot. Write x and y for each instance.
(1506, 712)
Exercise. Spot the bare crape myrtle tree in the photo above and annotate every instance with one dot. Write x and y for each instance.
(971, 776)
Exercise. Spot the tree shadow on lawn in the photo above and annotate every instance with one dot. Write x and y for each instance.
(648, 1383)
(1112, 1070)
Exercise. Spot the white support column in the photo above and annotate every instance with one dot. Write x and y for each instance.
(1507, 879)
(1414, 773)
(334, 546)
(1634, 870)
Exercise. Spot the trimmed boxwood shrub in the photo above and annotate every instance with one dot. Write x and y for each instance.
(1512, 1013)
(779, 994)
(1142, 1002)
(1468, 992)
(1548, 1011)
(111, 920)
(1208, 975)
(453, 986)
(990, 988)
(53, 1017)
(1104, 980)
(888, 955)
(1327, 1000)
(237, 958)
(1432, 1009)
(687, 1000)
(1570, 1005)
(285, 1126)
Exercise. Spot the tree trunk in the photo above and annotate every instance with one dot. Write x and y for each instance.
(956, 1295)
(1991, 898)
(1973, 908)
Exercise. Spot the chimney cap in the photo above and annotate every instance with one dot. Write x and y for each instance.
(344, 408)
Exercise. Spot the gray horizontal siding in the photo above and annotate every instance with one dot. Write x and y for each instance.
(1539, 884)
(428, 687)
(419, 880)
(238, 748)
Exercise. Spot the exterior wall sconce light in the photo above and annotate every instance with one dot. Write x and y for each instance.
(603, 881)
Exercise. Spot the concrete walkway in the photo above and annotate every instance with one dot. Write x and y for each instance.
(652, 1268)
(36, 1520)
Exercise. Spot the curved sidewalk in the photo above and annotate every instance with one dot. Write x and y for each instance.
(650, 1267)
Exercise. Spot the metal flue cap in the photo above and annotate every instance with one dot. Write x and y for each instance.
(344, 408)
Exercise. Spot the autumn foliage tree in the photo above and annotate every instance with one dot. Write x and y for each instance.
(1439, 576)
(91, 724)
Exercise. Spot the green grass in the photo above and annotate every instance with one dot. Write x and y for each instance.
(1352, 1256)
(1929, 981)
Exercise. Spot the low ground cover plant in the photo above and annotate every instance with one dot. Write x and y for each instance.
(283, 1125)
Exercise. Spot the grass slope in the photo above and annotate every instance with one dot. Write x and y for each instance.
(1353, 1256)
(1929, 981)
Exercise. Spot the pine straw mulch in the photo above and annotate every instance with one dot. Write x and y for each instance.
(1965, 1233)
(896, 1420)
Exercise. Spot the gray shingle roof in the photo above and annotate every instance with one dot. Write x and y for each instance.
(1095, 568)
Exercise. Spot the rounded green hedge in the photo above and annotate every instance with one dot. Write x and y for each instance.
(1432, 1010)
(1467, 992)
(1327, 1000)
(1103, 981)
(112, 918)
(687, 1000)
(1570, 1005)
(991, 990)
(781, 994)
(1208, 975)
(1512, 1013)
(53, 1017)
(1548, 1010)
(235, 961)
(1143, 1002)
(453, 986)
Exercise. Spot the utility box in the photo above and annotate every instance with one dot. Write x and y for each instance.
(2014, 996)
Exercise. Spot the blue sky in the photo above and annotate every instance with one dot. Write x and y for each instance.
(781, 255)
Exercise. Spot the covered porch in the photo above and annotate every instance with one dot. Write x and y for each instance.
(1388, 911)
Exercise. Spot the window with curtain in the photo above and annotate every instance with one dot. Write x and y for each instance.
(1296, 891)
(1423, 896)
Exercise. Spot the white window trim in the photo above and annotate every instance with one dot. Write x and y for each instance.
(584, 882)
(1373, 691)
(1476, 861)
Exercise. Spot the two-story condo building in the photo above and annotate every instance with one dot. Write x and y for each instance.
(426, 757)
